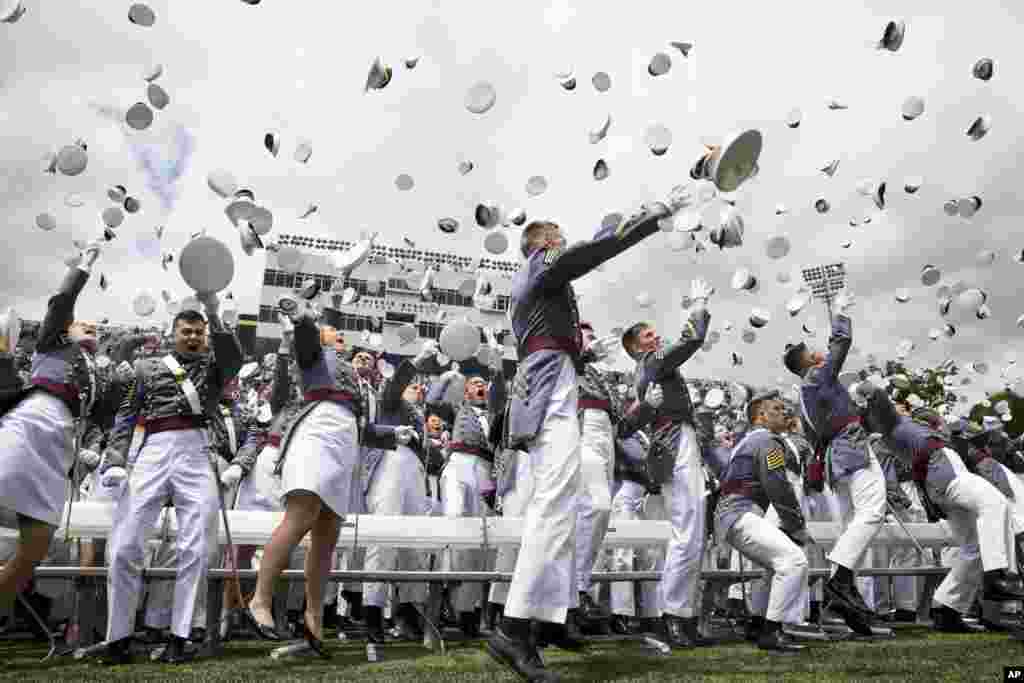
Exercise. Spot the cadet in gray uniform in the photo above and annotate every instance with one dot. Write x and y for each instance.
(320, 463)
(173, 397)
(470, 459)
(833, 423)
(542, 421)
(677, 462)
(38, 427)
(754, 479)
(977, 514)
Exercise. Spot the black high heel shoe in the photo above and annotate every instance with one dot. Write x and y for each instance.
(315, 643)
(264, 632)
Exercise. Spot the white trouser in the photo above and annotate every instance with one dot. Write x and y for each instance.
(1017, 504)
(977, 514)
(171, 465)
(513, 504)
(543, 585)
(761, 588)
(684, 498)
(651, 597)
(594, 502)
(761, 541)
(461, 483)
(861, 500)
(398, 488)
(160, 594)
(628, 503)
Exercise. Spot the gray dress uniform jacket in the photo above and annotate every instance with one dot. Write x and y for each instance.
(154, 392)
(830, 419)
(662, 367)
(756, 478)
(327, 370)
(469, 433)
(545, 319)
(283, 405)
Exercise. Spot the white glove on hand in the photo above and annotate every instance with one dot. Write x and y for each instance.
(89, 458)
(404, 434)
(845, 302)
(653, 210)
(681, 197)
(654, 396)
(115, 477)
(89, 256)
(700, 292)
(209, 301)
(429, 350)
(231, 476)
(603, 346)
(125, 371)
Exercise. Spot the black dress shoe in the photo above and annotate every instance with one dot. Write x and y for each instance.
(843, 599)
(315, 644)
(521, 656)
(675, 631)
(948, 620)
(777, 641)
(753, 629)
(999, 587)
(563, 636)
(176, 652)
(407, 620)
(904, 616)
(620, 625)
(264, 632)
(494, 613)
(469, 622)
(117, 653)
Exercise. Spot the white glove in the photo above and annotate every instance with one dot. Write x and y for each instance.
(86, 486)
(653, 210)
(845, 302)
(700, 292)
(429, 350)
(654, 396)
(404, 434)
(115, 477)
(681, 197)
(89, 458)
(89, 256)
(125, 371)
(603, 346)
(231, 476)
(209, 301)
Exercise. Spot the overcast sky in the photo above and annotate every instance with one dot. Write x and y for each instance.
(235, 72)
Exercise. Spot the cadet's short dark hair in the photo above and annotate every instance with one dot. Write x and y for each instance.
(754, 407)
(190, 316)
(532, 235)
(630, 335)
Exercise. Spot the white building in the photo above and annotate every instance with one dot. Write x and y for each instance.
(389, 288)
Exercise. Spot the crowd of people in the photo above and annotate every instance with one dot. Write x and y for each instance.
(317, 431)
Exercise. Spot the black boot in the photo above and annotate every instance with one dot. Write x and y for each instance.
(755, 626)
(407, 619)
(815, 616)
(331, 619)
(948, 620)
(692, 627)
(494, 612)
(677, 631)
(355, 604)
(374, 623)
(774, 640)
(844, 599)
(997, 586)
(469, 622)
(177, 651)
(513, 646)
(117, 653)
(563, 636)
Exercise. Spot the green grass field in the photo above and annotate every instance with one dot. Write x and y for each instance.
(917, 654)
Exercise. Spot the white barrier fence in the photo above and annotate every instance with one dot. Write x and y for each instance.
(96, 520)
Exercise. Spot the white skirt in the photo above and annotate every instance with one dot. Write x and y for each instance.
(323, 457)
(36, 454)
(261, 488)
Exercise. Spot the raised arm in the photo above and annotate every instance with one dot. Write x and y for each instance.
(838, 346)
(391, 397)
(61, 309)
(579, 259)
(307, 342)
(692, 338)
